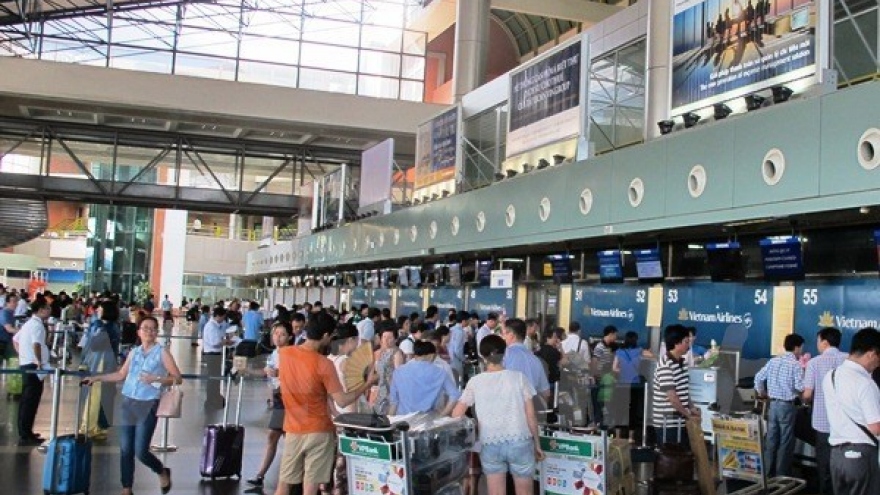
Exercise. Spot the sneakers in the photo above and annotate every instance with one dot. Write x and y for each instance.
(256, 481)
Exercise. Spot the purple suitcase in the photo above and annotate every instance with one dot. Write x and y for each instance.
(223, 444)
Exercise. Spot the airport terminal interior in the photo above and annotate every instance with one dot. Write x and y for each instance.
(586, 164)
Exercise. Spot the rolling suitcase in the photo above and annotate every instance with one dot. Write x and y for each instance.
(68, 466)
(223, 444)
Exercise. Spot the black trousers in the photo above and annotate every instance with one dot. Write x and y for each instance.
(854, 470)
(31, 393)
(823, 461)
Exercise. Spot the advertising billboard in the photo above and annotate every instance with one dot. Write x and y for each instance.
(724, 49)
(545, 103)
(436, 147)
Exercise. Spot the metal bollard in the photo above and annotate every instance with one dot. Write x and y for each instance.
(164, 447)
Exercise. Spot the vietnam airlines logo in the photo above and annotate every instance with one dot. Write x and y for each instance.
(618, 313)
(683, 315)
(826, 320)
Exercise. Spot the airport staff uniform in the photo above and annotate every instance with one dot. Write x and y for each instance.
(852, 399)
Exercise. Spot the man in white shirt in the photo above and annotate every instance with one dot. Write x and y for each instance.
(213, 341)
(852, 401)
(488, 328)
(407, 345)
(30, 342)
(575, 343)
(367, 326)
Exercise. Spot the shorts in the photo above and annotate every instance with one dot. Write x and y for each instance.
(515, 456)
(276, 420)
(308, 458)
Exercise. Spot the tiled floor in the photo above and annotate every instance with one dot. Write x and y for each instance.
(21, 467)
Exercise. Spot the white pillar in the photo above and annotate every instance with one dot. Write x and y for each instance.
(173, 256)
(471, 46)
(233, 225)
(659, 34)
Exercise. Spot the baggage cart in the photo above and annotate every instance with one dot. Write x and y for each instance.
(427, 457)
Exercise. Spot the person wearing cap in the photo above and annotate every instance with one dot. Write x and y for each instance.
(418, 386)
(488, 328)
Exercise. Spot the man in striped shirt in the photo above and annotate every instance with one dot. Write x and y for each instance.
(670, 389)
(782, 380)
(827, 342)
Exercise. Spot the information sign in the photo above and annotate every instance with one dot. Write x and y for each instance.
(372, 469)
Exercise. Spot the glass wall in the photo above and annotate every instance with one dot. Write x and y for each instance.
(344, 46)
(217, 287)
(617, 98)
(485, 135)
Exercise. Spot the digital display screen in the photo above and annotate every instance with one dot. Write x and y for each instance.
(484, 272)
(877, 242)
(561, 268)
(403, 277)
(782, 258)
(725, 261)
(415, 276)
(610, 266)
(454, 274)
(648, 266)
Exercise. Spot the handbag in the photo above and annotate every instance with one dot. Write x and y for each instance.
(170, 403)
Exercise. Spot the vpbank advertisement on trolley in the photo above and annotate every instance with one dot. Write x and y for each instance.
(723, 49)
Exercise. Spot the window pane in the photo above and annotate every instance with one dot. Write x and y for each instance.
(207, 42)
(385, 64)
(329, 57)
(272, 24)
(137, 59)
(414, 42)
(335, 32)
(324, 80)
(384, 13)
(413, 67)
(380, 87)
(215, 68)
(73, 52)
(412, 90)
(143, 34)
(270, 49)
(381, 38)
(257, 72)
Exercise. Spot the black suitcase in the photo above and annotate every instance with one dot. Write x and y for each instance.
(223, 444)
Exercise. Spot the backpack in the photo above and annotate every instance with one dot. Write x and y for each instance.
(576, 359)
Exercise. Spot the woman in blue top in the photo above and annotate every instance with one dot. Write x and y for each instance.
(630, 389)
(147, 369)
(99, 356)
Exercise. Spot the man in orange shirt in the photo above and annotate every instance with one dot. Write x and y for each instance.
(308, 378)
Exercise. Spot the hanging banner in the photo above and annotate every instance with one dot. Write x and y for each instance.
(573, 465)
(409, 301)
(848, 306)
(545, 98)
(624, 306)
(724, 49)
(734, 315)
(381, 298)
(484, 300)
(445, 298)
(436, 147)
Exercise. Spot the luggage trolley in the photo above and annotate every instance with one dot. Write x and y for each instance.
(426, 458)
(582, 460)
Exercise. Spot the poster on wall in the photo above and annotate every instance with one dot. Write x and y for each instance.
(734, 315)
(624, 306)
(848, 306)
(545, 99)
(484, 300)
(724, 49)
(436, 148)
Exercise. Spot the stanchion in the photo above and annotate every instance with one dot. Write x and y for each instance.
(164, 447)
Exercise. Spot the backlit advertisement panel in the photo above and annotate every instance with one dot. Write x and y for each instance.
(724, 49)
